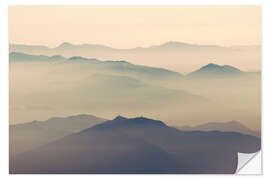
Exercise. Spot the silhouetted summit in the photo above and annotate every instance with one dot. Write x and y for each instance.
(211, 65)
(119, 117)
(65, 45)
(223, 68)
(214, 70)
(137, 145)
(137, 122)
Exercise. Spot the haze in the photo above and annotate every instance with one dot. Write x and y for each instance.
(39, 91)
(133, 89)
(133, 26)
(50, 87)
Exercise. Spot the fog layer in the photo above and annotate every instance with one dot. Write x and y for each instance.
(40, 89)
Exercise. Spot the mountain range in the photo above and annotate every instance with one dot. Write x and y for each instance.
(69, 46)
(78, 84)
(137, 145)
(122, 67)
(170, 55)
(78, 78)
(210, 70)
(231, 126)
(27, 136)
(33, 49)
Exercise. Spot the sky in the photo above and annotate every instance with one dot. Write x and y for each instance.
(135, 26)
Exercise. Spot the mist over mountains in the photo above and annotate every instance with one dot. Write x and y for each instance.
(137, 145)
(170, 107)
(59, 86)
(170, 55)
(123, 67)
(210, 70)
(215, 108)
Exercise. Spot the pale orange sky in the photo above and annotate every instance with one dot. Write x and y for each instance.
(133, 26)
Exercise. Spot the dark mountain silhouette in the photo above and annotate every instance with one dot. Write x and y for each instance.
(137, 145)
(213, 70)
(231, 126)
(27, 136)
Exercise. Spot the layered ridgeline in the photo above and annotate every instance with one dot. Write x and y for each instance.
(231, 126)
(210, 70)
(123, 67)
(171, 55)
(27, 136)
(77, 84)
(59, 86)
(137, 145)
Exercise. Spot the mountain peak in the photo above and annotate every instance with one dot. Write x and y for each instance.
(215, 70)
(123, 122)
(175, 44)
(65, 44)
(211, 65)
(216, 66)
(119, 117)
(77, 58)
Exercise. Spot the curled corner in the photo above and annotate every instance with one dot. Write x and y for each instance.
(249, 163)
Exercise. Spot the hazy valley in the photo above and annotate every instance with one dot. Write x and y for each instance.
(134, 89)
(45, 86)
(208, 116)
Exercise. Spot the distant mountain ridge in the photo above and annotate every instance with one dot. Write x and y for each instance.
(208, 70)
(31, 135)
(137, 145)
(170, 55)
(174, 44)
(115, 65)
(122, 122)
(231, 126)
(17, 57)
(214, 70)
(67, 45)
